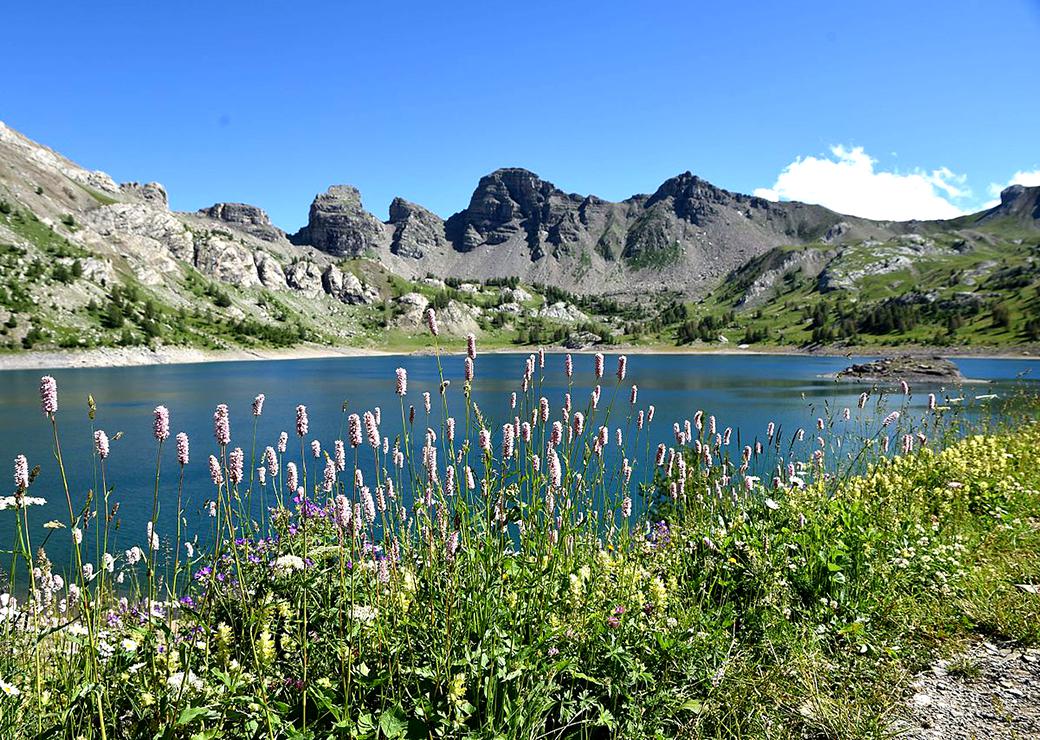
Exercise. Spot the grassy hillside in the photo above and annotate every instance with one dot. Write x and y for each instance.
(976, 287)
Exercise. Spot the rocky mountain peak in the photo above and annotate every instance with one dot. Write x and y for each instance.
(1021, 202)
(339, 224)
(691, 197)
(507, 203)
(416, 229)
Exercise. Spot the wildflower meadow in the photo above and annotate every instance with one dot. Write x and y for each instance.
(579, 566)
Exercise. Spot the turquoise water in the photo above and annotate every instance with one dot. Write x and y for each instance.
(745, 392)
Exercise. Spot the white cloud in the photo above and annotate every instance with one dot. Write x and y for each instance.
(847, 182)
(1029, 178)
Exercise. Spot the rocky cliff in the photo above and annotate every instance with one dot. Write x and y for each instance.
(684, 237)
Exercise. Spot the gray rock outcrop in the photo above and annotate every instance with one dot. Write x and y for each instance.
(416, 230)
(305, 276)
(339, 225)
(346, 287)
(226, 261)
(245, 217)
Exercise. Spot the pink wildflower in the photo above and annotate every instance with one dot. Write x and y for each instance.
(343, 512)
(402, 381)
(258, 404)
(553, 464)
(101, 443)
(329, 481)
(372, 430)
(215, 473)
(272, 461)
(222, 425)
(162, 423)
(354, 430)
(182, 449)
(507, 441)
(48, 394)
(21, 472)
(302, 425)
(236, 459)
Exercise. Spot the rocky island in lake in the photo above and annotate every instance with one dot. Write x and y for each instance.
(903, 367)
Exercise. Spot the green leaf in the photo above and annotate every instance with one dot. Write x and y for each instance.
(190, 714)
(692, 705)
(393, 723)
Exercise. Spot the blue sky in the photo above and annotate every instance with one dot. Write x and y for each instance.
(889, 109)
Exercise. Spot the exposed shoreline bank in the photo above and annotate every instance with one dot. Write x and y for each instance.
(141, 356)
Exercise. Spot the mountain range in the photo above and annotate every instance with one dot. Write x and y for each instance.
(689, 239)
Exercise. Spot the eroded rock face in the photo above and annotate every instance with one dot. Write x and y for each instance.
(140, 220)
(339, 225)
(150, 193)
(412, 307)
(269, 271)
(245, 217)
(347, 287)
(226, 261)
(416, 229)
(304, 276)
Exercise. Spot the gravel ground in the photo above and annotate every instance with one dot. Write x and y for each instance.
(990, 692)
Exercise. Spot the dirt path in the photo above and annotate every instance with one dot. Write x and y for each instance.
(991, 692)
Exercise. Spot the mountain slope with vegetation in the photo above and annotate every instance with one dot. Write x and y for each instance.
(970, 281)
(86, 262)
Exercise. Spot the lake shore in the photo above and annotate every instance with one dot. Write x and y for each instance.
(139, 356)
